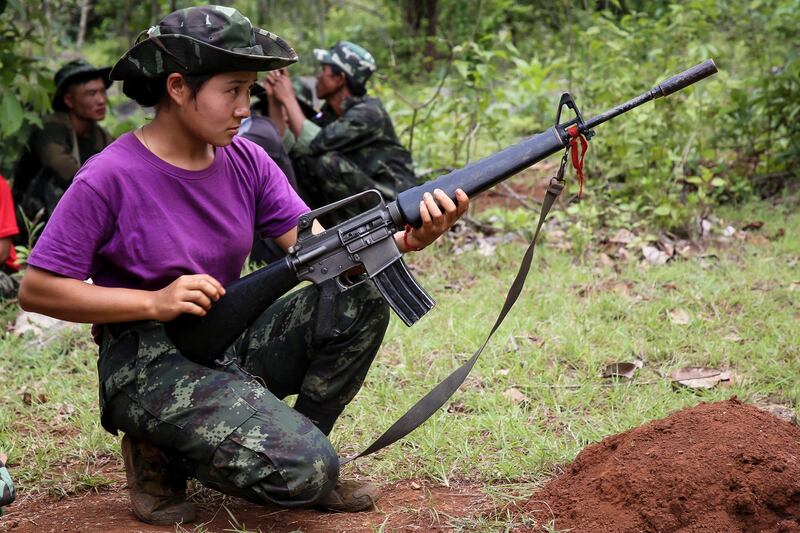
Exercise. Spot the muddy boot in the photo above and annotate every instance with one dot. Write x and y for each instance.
(158, 494)
(350, 497)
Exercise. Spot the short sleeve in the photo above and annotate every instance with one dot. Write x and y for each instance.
(278, 206)
(80, 224)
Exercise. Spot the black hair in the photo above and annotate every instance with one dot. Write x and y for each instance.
(148, 92)
(356, 89)
(77, 79)
(85, 77)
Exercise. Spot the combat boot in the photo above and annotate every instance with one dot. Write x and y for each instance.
(158, 494)
(350, 497)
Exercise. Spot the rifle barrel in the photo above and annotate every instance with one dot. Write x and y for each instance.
(665, 88)
(489, 171)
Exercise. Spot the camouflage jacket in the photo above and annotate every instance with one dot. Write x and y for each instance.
(51, 160)
(365, 134)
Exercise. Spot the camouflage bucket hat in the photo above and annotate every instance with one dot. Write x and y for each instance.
(203, 40)
(69, 72)
(356, 62)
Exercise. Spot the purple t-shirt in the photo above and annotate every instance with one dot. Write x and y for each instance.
(132, 220)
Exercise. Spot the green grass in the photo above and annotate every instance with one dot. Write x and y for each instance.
(565, 328)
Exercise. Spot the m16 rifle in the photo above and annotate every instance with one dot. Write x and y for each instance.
(366, 240)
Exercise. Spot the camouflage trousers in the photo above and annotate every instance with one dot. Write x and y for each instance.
(228, 426)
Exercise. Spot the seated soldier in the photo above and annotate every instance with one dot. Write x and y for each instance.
(67, 138)
(356, 147)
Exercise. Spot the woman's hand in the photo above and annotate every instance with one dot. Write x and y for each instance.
(437, 218)
(191, 294)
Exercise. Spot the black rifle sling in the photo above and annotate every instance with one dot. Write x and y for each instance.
(432, 401)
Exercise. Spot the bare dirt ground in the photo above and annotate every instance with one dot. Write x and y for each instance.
(405, 506)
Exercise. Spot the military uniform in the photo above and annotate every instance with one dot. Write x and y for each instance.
(227, 426)
(224, 424)
(55, 152)
(357, 151)
(53, 156)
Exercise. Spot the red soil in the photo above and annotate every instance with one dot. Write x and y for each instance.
(724, 467)
(715, 468)
(406, 506)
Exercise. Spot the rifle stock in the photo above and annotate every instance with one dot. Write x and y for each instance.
(204, 339)
(367, 239)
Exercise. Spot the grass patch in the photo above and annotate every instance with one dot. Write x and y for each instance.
(573, 318)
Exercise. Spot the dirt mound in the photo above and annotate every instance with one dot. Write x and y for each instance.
(721, 467)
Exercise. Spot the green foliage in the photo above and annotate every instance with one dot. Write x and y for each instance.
(25, 83)
(666, 162)
(464, 78)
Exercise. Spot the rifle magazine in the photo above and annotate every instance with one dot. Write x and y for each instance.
(401, 291)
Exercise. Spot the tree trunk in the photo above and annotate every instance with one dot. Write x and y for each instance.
(262, 12)
(85, 6)
(432, 14)
(422, 16)
(48, 15)
(126, 24)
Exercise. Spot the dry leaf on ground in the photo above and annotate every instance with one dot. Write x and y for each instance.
(679, 316)
(515, 395)
(622, 370)
(781, 411)
(699, 377)
(654, 256)
(757, 224)
(622, 236)
(732, 337)
(757, 239)
(459, 407)
(687, 249)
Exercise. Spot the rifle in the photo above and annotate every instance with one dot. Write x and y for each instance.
(366, 240)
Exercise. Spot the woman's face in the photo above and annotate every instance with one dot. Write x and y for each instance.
(218, 108)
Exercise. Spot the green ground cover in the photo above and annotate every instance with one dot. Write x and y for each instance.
(535, 398)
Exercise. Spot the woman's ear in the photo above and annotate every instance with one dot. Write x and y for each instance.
(177, 90)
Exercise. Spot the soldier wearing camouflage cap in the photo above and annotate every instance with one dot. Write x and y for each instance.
(161, 221)
(67, 138)
(352, 145)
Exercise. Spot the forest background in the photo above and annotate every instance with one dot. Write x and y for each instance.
(464, 78)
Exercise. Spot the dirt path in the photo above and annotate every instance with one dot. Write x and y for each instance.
(405, 506)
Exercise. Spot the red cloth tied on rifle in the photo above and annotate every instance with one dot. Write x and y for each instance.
(577, 161)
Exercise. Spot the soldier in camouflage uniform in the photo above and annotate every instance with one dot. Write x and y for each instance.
(161, 220)
(353, 146)
(67, 138)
